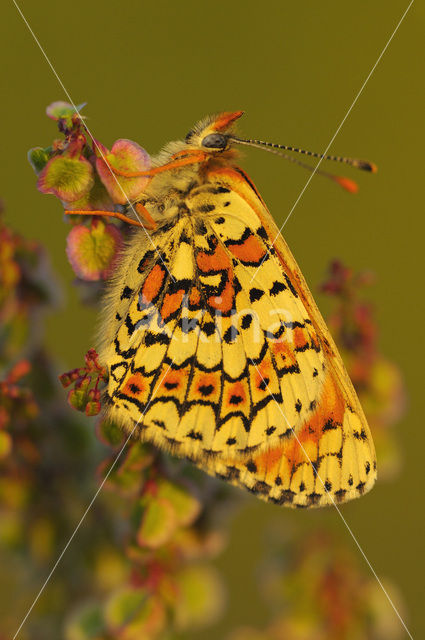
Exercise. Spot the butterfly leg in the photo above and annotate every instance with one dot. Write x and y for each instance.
(180, 159)
(148, 222)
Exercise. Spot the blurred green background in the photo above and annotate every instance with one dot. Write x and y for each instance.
(148, 72)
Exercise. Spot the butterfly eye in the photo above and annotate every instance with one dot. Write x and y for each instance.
(215, 141)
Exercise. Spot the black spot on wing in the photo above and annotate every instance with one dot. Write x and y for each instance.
(171, 385)
(262, 233)
(205, 208)
(195, 435)
(151, 338)
(291, 286)
(255, 294)
(246, 321)
(277, 288)
(263, 384)
(208, 328)
(230, 335)
(126, 293)
(206, 389)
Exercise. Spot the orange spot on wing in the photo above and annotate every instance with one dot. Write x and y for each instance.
(172, 302)
(207, 379)
(269, 461)
(172, 383)
(195, 296)
(251, 250)
(173, 379)
(224, 302)
(283, 353)
(262, 372)
(218, 260)
(280, 347)
(153, 283)
(331, 406)
(205, 386)
(135, 385)
(236, 398)
(300, 338)
(238, 390)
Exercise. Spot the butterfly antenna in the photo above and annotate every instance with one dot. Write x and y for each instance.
(277, 149)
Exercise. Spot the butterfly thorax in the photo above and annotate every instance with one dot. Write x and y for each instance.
(170, 195)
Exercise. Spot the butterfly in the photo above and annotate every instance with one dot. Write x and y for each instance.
(215, 348)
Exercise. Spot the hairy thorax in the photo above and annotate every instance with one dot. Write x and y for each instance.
(169, 195)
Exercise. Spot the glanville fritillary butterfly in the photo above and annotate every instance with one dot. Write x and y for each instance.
(215, 348)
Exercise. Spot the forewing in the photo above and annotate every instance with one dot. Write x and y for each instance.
(331, 458)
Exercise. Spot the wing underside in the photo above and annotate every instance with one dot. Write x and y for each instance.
(218, 353)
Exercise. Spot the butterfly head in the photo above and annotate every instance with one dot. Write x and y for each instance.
(213, 134)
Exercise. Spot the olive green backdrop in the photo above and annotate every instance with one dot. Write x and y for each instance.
(148, 71)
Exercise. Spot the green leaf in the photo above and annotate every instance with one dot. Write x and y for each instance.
(149, 621)
(123, 606)
(158, 523)
(92, 251)
(61, 109)
(139, 457)
(39, 157)
(93, 408)
(85, 624)
(127, 483)
(185, 505)
(110, 433)
(67, 178)
(95, 199)
(200, 599)
(128, 477)
(65, 380)
(78, 397)
(135, 615)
